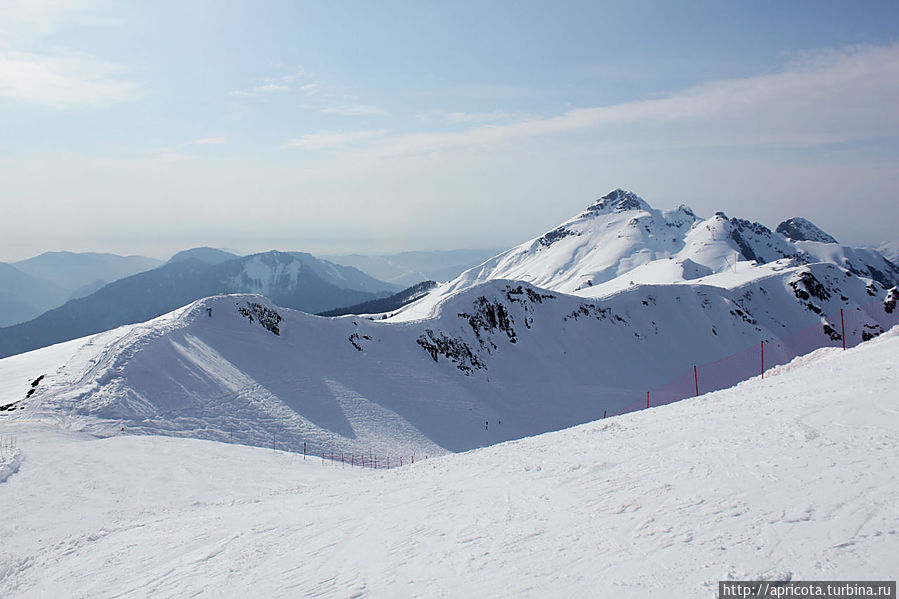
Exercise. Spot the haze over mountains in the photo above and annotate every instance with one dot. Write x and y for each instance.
(30, 287)
(292, 279)
(408, 268)
(554, 332)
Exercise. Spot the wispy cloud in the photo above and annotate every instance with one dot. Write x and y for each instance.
(207, 141)
(239, 93)
(332, 139)
(63, 79)
(29, 20)
(479, 117)
(355, 110)
(169, 157)
(271, 87)
(825, 97)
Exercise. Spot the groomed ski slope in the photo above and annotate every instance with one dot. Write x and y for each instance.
(793, 476)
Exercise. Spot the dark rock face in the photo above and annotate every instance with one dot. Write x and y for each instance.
(618, 200)
(745, 249)
(555, 235)
(808, 286)
(268, 318)
(800, 229)
(454, 350)
(889, 302)
(488, 317)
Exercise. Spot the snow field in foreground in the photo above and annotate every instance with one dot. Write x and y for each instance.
(793, 476)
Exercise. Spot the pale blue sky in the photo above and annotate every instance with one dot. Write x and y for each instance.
(147, 127)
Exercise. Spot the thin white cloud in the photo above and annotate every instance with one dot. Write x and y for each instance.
(239, 93)
(355, 110)
(332, 139)
(271, 87)
(478, 117)
(207, 141)
(23, 21)
(173, 157)
(826, 97)
(63, 79)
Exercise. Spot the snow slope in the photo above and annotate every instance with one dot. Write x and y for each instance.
(498, 361)
(790, 477)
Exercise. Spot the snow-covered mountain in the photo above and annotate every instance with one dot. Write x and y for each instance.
(620, 241)
(292, 279)
(890, 250)
(480, 359)
(500, 360)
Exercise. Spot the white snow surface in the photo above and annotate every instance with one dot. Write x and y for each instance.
(790, 477)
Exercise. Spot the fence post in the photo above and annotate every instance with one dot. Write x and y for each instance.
(304, 450)
(843, 327)
(696, 379)
(763, 359)
(604, 414)
(647, 399)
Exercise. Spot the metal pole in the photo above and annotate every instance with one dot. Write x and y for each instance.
(763, 359)
(647, 399)
(843, 327)
(696, 379)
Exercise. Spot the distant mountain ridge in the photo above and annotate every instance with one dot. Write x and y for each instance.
(207, 255)
(409, 268)
(387, 304)
(72, 270)
(30, 287)
(292, 279)
(22, 296)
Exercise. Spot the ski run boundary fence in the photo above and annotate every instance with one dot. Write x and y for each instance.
(844, 329)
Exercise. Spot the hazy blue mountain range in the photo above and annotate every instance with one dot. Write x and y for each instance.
(30, 287)
(206, 255)
(291, 279)
(72, 271)
(23, 296)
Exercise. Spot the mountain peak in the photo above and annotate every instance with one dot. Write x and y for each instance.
(801, 229)
(618, 200)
